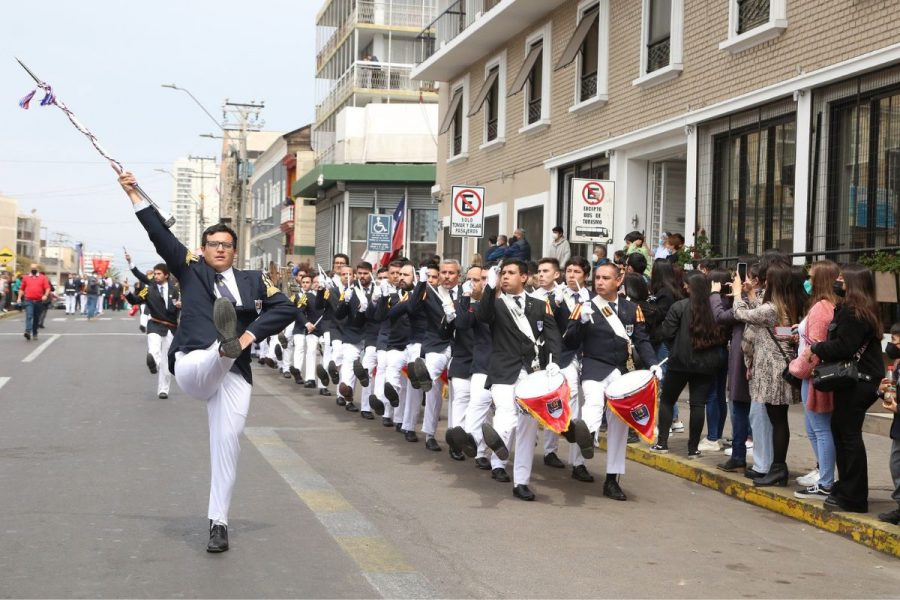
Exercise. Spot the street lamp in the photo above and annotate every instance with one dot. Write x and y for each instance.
(201, 221)
(172, 86)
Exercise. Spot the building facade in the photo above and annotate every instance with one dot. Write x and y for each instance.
(365, 50)
(761, 123)
(195, 199)
(28, 237)
(9, 209)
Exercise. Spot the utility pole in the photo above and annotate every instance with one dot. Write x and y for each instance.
(201, 216)
(242, 118)
(60, 238)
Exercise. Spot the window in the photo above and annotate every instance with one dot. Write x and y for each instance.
(492, 114)
(661, 47)
(590, 45)
(491, 229)
(593, 168)
(452, 246)
(455, 121)
(752, 22)
(659, 30)
(753, 188)
(493, 101)
(864, 173)
(534, 91)
(423, 231)
(532, 221)
(534, 78)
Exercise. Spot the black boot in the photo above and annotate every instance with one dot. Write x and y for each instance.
(777, 475)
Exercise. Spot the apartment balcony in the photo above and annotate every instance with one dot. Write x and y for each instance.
(470, 29)
(375, 79)
(333, 26)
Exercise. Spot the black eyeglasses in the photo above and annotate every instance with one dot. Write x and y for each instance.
(223, 245)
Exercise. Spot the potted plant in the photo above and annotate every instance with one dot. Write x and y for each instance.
(701, 249)
(886, 266)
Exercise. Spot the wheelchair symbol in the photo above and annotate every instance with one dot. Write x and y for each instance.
(379, 227)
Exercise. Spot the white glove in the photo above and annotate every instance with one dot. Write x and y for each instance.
(657, 372)
(376, 293)
(329, 283)
(586, 312)
(552, 369)
(493, 276)
(336, 280)
(449, 311)
(363, 303)
(584, 295)
(423, 274)
(348, 294)
(467, 288)
(559, 294)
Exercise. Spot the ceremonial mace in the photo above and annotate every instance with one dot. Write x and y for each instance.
(50, 98)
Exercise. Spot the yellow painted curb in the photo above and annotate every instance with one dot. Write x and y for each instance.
(864, 529)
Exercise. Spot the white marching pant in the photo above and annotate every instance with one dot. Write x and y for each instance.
(325, 340)
(287, 354)
(349, 353)
(412, 398)
(70, 304)
(381, 357)
(204, 375)
(369, 361)
(460, 394)
(158, 346)
(84, 309)
(311, 348)
(506, 416)
(298, 358)
(479, 410)
(616, 429)
(395, 361)
(337, 354)
(435, 362)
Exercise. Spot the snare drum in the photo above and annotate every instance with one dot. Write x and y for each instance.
(632, 397)
(546, 399)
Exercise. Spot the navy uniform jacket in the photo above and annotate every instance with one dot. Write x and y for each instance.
(512, 350)
(602, 350)
(436, 333)
(373, 327)
(197, 280)
(309, 311)
(481, 334)
(398, 319)
(162, 311)
(418, 319)
(463, 343)
(376, 314)
(352, 319)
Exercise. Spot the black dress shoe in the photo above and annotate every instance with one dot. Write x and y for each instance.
(732, 466)
(27, 335)
(362, 374)
(151, 364)
(398, 427)
(376, 404)
(334, 373)
(892, 517)
(366, 414)
(749, 473)
(324, 392)
(391, 394)
(339, 400)
(279, 353)
(322, 374)
(310, 384)
(632, 437)
(387, 422)
(295, 372)
(494, 441)
(455, 455)
(500, 475)
(458, 440)
(345, 390)
(583, 437)
(612, 490)
(422, 376)
(552, 460)
(218, 538)
(833, 504)
(286, 374)
(350, 406)
(523, 493)
(431, 444)
(580, 473)
(142, 329)
(162, 395)
(482, 463)
(282, 339)
(410, 436)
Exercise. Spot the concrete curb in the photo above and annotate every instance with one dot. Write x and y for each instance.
(865, 529)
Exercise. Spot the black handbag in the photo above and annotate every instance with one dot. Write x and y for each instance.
(837, 375)
(786, 374)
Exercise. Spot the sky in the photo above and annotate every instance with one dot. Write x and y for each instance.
(106, 60)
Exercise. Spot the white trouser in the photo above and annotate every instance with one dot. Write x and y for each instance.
(298, 358)
(349, 353)
(478, 411)
(516, 426)
(205, 375)
(158, 346)
(325, 340)
(369, 361)
(395, 361)
(572, 374)
(70, 304)
(311, 348)
(84, 307)
(616, 429)
(506, 416)
(460, 393)
(337, 355)
(413, 397)
(381, 357)
(144, 318)
(264, 348)
(435, 362)
(287, 354)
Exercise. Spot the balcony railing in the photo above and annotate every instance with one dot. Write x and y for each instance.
(460, 15)
(752, 14)
(534, 110)
(658, 55)
(388, 13)
(374, 78)
(588, 86)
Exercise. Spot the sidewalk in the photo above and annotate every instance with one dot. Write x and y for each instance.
(863, 528)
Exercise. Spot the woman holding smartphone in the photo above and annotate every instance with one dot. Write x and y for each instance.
(855, 333)
(768, 344)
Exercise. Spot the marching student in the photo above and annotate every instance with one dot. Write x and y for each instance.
(224, 311)
(398, 342)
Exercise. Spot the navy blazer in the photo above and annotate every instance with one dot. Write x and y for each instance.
(436, 333)
(197, 279)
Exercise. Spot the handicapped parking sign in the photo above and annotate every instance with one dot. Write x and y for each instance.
(378, 238)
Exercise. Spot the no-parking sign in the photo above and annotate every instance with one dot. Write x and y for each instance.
(592, 210)
(467, 211)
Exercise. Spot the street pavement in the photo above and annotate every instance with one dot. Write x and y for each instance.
(103, 492)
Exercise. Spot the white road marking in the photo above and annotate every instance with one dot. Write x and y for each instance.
(3, 381)
(58, 319)
(41, 348)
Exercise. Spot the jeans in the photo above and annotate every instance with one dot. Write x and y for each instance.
(740, 429)
(662, 353)
(850, 406)
(716, 405)
(762, 437)
(699, 384)
(91, 306)
(33, 310)
(818, 430)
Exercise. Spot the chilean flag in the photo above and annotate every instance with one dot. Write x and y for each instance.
(397, 221)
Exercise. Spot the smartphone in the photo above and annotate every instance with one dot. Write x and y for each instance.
(742, 270)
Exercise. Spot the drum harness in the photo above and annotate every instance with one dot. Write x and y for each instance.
(617, 326)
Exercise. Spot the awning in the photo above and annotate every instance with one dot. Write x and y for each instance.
(451, 110)
(574, 45)
(485, 90)
(527, 66)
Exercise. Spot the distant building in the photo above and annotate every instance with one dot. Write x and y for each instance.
(8, 228)
(195, 199)
(28, 236)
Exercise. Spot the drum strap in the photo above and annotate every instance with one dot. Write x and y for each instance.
(615, 323)
(518, 315)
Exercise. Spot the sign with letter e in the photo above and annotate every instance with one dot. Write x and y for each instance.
(592, 211)
(467, 211)
(379, 233)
